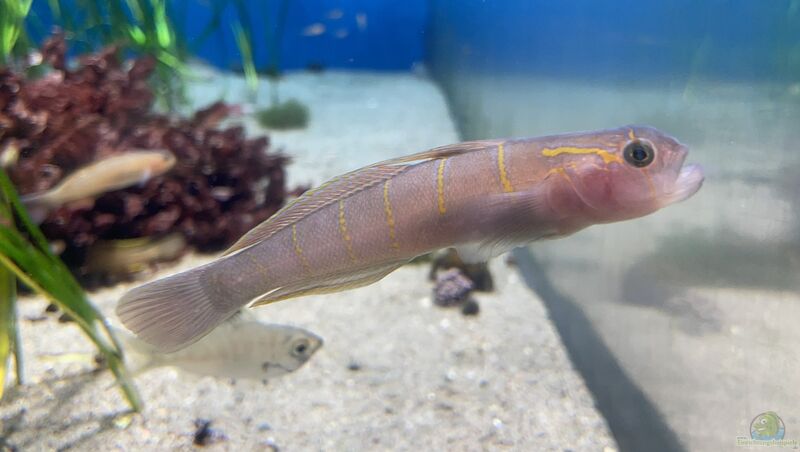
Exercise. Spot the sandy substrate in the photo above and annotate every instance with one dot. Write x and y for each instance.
(396, 372)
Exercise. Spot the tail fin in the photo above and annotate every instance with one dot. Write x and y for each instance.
(172, 312)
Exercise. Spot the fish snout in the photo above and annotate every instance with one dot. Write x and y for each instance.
(690, 179)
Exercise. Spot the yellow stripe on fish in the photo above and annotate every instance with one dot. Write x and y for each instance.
(501, 167)
(348, 241)
(607, 157)
(298, 250)
(440, 186)
(387, 207)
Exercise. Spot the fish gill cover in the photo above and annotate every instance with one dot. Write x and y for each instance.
(71, 117)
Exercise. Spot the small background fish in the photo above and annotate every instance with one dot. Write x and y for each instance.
(109, 174)
(120, 258)
(241, 347)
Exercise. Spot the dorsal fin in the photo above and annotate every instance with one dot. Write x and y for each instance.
(442, 152)
(346, 185)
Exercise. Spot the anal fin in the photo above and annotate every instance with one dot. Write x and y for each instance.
(508, 220)
(330, 284)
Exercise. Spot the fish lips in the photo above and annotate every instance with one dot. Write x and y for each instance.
(689, 180)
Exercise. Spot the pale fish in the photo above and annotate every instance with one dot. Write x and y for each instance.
(335, 14)
(126, 256)
(9, 155)
(481, 197)
(109, 174)
(361, 21)
(241, 347)
(315, 29)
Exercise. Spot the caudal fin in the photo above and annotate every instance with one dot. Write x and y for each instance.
(172, 312)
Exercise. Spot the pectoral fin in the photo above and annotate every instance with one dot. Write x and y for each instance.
(508, 220)
(479, 252)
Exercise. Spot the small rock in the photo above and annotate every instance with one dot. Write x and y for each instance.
(470, 307)
(478, 273)
(65, 318)
(452, 288)
(204, 435)
(354, 366)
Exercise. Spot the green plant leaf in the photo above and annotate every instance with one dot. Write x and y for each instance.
(163, 29)
(137, 35)
(8, 335)
(36, 266)
(12, 25)
(249, 67)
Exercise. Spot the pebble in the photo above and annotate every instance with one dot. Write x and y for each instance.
(470, 308)
(452, 288)
(204, 435)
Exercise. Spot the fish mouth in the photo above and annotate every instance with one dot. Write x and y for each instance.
(689, 180)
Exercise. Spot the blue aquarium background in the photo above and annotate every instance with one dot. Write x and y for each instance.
(683, 324)
(378, 35)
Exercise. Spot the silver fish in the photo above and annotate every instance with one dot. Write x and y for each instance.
(109, 174)
(241, 347)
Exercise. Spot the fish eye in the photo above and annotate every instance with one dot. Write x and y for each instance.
(639, 153)
(300, 348)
